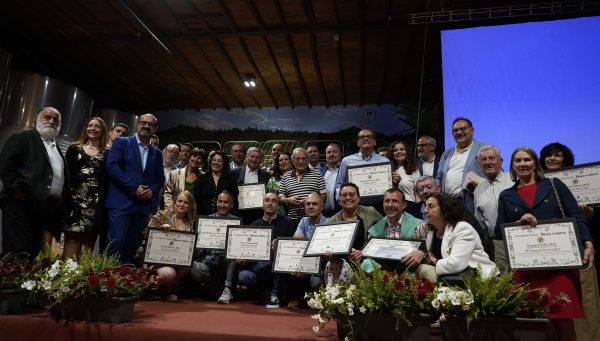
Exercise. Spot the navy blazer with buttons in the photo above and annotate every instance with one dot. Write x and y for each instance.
(511, 206)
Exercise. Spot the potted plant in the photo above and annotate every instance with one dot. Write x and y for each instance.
(379, 305)
(93, 289)
(496, 308)
(16, 268)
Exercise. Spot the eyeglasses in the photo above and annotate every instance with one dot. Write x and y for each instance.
(147, 124)
(348, 195)
(460, 130)
(366, 137)
(424, 145)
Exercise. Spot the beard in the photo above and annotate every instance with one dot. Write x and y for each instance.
(48, 132)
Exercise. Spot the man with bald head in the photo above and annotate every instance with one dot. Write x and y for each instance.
(135, 168)
(35, 177)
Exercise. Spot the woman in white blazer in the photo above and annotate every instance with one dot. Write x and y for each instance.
(453, 244)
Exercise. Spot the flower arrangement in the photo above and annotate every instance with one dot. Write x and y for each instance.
(403, 295)
(495, 296)
(91, 277)
(16, 268)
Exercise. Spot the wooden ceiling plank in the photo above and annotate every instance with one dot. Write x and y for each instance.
(361, 23)
(386, 52)
(182, 28)
(292, 52)
(310, 13)
(340, 62)
(317, 66)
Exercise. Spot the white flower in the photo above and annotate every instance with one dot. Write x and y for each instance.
(316, 329)
(436, 304)
(29, 285)
(350, 307)
(46, 285)
(362, 310)
(71, 265)
(339, 300)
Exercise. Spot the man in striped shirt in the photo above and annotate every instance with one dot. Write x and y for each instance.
(297, 184)
(487, 193)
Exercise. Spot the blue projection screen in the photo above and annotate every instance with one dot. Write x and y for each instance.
(526, 85)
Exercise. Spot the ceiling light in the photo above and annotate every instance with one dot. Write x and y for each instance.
(249, 80)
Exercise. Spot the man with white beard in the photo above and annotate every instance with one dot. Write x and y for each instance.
(36, 182)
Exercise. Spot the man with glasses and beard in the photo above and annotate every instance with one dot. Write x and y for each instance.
(135, 168)
(36, 182)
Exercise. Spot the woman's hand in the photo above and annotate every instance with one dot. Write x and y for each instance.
(328, 256)
(413, 258)
(165, 227)
(528, 219)
(396, 178)
(587, 211)
(355, 255)
(589, 255)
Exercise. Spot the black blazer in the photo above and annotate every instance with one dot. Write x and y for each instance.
(238, 175)
(436, 165)
(25, 168)
(205, 192)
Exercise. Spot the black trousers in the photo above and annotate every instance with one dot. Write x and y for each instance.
(24, 223)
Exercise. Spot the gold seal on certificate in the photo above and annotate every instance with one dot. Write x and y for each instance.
(249, 242)
(289, 257)
(373, 179)
(552, 244)
(170, 247)
(392, 249)
(336, 238)
(251, 196)
(583, 181)
(212, 231)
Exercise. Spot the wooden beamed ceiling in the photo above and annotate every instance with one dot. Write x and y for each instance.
(302, 52)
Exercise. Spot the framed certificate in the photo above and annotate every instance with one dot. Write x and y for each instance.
(392, 249)
(552, 244)
(172, 247)
(249, 242)
(212, 231)
(289, 257)
(373, 179)
(251, 196)
(583, 181)
(336, 237)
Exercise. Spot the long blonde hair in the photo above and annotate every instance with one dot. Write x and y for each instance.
(84, 138)
(190, 216)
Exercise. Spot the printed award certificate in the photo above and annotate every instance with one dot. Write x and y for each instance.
(170, 247)
(552, 244)
(583, 181)
(392, 249)
(336, 237)
(212, 231)
(373, 179)
(251, 196)
(249, 242)
(289, 257)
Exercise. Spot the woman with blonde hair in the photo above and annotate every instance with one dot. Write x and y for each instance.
(86, 160)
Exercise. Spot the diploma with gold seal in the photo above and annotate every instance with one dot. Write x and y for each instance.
(552, 244)
(335, 237)
(373, 179)
(289, 257)
(251, 196)
(175, 248)
(392, 249)
(249, 243)
(583, 181)
(212, 231)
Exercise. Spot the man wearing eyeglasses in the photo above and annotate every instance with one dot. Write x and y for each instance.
(459, 171)
(135, 168)
(366, 155)
(427, 161)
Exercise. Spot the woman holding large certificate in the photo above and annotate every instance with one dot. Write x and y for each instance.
(533, 198)
(179, 217)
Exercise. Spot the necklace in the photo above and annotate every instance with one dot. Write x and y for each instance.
(91, 147)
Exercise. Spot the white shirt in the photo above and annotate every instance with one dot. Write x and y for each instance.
(330, 176)
(456, 167)
(143, 151)
(251, 177)
(58, 168)
(428, 167)
(407, 183)
(486, 200)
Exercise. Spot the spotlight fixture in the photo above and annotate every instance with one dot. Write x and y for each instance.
(249, 80)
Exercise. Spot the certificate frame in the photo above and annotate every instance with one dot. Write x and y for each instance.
(253, 202)
(298, 245)
(347, 233)
(237, 248)
(372, 186)
(373, 245)
(203, 244)
(160, 248)
(555, 244)
(582, 180)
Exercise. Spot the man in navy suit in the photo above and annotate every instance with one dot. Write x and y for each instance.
(427, 161)
(135, 168)
(36, 184)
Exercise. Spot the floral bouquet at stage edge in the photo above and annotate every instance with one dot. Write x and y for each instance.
(402, 295)
(100, 276)
(17, 268)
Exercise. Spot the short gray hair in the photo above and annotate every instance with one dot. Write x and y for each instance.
(427, 177)
(298, 150)
(171, 146)
(255, 149)
(431, 140)
(489, 147)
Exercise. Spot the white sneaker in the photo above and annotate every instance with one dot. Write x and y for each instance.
(171, 297)
(226, 296)
(273, 302)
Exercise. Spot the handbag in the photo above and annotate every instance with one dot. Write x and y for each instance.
(562, 211)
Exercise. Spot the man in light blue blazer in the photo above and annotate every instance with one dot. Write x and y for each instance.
(135, 168)
(456, 162)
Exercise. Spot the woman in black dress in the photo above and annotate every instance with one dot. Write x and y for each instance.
(212, 183)
(86, 159)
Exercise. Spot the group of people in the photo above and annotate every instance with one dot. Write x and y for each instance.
(114, 186)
